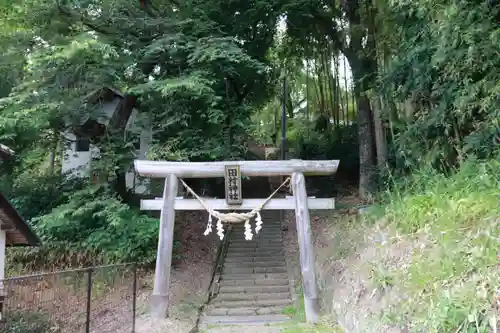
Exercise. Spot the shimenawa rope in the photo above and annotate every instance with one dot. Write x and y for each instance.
(233, 217)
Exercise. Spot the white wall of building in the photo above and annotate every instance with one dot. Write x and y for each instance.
(79, 162)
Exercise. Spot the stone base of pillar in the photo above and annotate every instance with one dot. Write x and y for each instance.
(312, 310)
(159, 306)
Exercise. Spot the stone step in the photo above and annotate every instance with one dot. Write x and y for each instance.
(259, 254)
(278, 255)
(251, 311)
(255, 243)
(251, 270)
(263, 238)
(251, 282)
(265, 224)
(244, 320)
(252, 260)
(264, 231)
(255, 276)
(253, 256)
(268, 225)
(256, 238)
(254, 289)
(230, 258)
(263, 303)
(233, 297)
(252, 263)
(268, 241)
(245, 243)
(255, 249)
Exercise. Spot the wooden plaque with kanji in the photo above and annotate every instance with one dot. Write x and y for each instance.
(233, 185)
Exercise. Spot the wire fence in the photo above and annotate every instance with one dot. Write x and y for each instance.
(91, 300)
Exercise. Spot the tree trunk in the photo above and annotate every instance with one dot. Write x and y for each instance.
(365, 139)
(380, 140)
(346, 118)
(321, 95)
(274, 136)
(325, 64)
(363, 69)
(289, 104)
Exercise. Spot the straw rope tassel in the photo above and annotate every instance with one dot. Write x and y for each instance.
(233, 217)
(258, 223)
(248, 230)
(220, 229)
(209, 226)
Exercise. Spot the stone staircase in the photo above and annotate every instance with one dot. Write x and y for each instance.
(254, 286)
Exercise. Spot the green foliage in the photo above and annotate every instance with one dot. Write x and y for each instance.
(470, 192)
(95, 221)
(298, 315)
(447, 62)
(318, 328)
(35, 195)
(315, 91)
(338, 144)
(453, 277)
(26, 322)
(194, 69)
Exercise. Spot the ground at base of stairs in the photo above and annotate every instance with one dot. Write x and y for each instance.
(271, 328)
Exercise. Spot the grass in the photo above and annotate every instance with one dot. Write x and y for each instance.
(454, 275)
(319, 328)
(298, 315)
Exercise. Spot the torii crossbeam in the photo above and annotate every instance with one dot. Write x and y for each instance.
(171, 171)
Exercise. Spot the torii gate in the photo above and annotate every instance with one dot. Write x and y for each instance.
(232, 171)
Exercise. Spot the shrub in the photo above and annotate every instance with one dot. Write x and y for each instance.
(17, 322)
(339, 144)
(37, 194)
(96, 223)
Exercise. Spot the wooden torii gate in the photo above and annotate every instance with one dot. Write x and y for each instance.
(172, 171)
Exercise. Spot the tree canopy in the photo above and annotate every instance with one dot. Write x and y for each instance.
(382, 86)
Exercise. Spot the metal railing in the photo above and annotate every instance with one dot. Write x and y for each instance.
(98, 299)
(219, 264)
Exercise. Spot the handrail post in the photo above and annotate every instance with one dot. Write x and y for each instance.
(219, 263)
(134, 297)
(89, 299)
